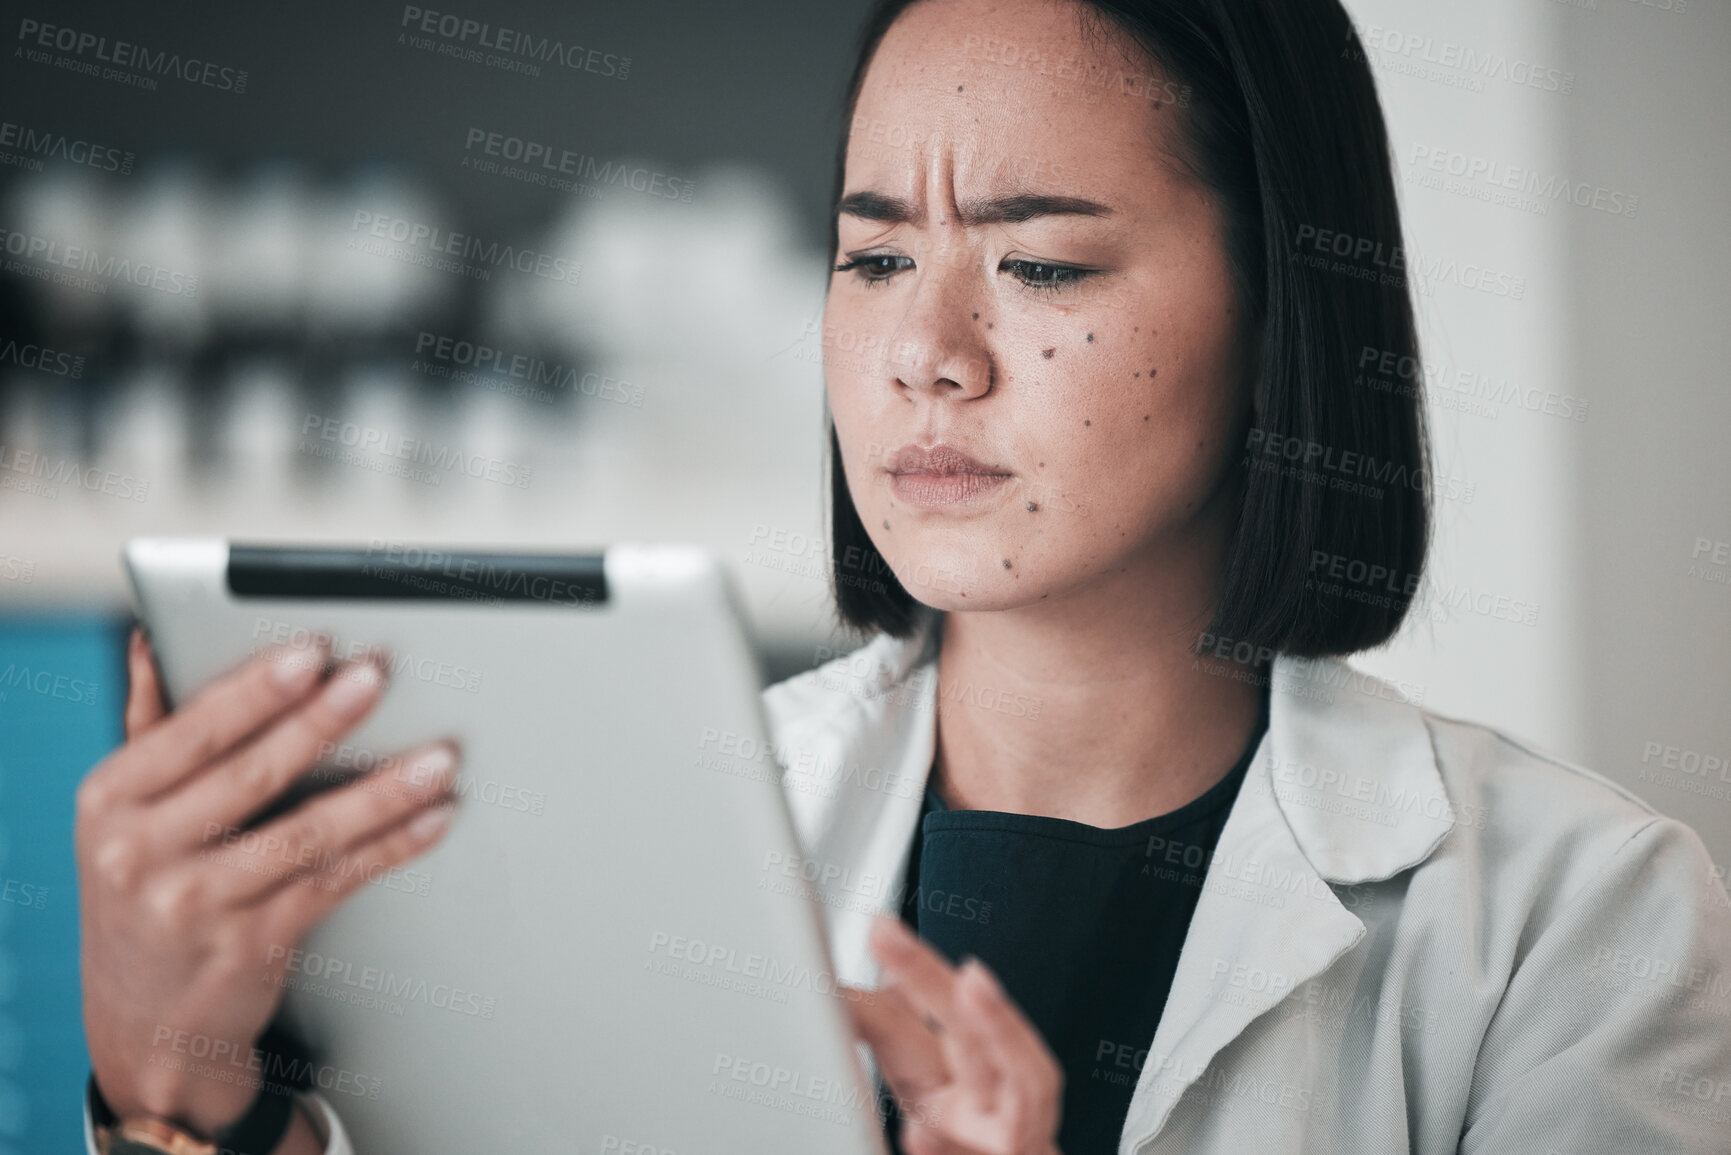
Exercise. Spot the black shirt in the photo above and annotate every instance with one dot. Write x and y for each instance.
(1082, 925)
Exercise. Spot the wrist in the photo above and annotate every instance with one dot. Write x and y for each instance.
(273, 1123)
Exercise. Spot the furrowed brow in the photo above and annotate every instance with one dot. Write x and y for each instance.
(1013, 209)
(1021, 207)
(872, 206)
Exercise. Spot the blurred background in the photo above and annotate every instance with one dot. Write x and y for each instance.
(332, 228)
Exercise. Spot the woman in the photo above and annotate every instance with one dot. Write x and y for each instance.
(1223, 893)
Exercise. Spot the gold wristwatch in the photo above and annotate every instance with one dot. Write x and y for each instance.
(148, 1136)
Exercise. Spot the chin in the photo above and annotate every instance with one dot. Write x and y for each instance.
(938, 575)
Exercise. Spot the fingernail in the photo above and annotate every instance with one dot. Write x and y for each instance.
(434, 766)
(356, 684)
(988, 980)
(295, 667)
(428, 824)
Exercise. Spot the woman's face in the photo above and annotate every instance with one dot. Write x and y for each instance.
(1029, 283)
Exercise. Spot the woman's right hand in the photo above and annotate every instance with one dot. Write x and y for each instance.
(185, 929)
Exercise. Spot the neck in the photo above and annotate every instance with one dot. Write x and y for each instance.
(1090, 707)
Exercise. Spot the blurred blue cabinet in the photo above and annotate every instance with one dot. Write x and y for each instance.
(62, 683)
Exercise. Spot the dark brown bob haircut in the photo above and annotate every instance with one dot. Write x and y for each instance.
(1280, 120)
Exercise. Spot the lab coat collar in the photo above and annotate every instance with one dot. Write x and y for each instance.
(1346, 756)
(1343, 789)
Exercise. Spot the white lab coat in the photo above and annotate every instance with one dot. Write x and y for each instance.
(1416, 935)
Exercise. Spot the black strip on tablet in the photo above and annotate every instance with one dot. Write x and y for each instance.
(412, 573)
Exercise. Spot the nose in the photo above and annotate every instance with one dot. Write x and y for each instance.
(937, 348)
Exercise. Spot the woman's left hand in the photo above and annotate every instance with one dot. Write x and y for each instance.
(970, 1073)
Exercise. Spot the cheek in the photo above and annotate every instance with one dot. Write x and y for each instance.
(1134, 423)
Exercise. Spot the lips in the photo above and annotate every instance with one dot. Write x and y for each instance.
(941, 475)
(939, 461)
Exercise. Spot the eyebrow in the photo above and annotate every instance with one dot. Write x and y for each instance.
(1012, 209)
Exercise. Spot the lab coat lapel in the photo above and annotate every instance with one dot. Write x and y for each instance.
(1265, 923)
(857, 738)
(1343, 789)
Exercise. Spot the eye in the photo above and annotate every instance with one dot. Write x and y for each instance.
(875, 268)
(1043, 274)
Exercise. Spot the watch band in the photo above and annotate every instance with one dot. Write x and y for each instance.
(259, 1132)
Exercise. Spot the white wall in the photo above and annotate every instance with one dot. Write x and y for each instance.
(1595, 521)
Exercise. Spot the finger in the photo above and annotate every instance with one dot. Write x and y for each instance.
(268, 763)
(293, 910)
(144, 693)
(318, 837)
(216, 718)
(920, 1137)
(1002, 1025)
(930, 984)
(1031, 1075)
(908, 1054)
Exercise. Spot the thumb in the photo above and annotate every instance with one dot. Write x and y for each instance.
(144, 691)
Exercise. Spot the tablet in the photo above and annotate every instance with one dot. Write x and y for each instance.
(589, 962)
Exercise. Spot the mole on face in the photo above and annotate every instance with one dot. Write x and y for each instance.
(1047, 353)
(1006, 563)
(1033, 506)
(887, 520)
(976, 316)
(1151, 373)
(1087, 423)
(1090, 336)
(988, 324)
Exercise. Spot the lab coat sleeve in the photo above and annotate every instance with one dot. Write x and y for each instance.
(1614, 1032)
(336, 1144)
